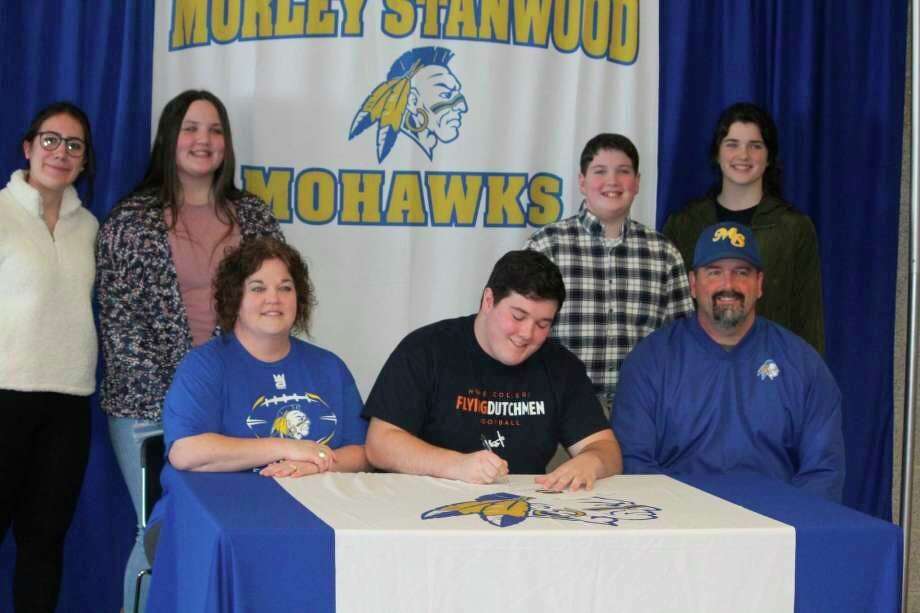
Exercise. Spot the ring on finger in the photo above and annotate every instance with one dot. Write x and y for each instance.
(322, 455)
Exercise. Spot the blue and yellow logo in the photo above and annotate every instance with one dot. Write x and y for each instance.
(504, 509)
(298, 416)
(421, 99)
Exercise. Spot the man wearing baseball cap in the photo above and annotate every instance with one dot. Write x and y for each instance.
(727, 391)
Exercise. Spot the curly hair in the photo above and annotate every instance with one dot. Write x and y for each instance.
(244, 261)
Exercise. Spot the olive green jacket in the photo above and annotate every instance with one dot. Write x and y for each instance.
(789, 250)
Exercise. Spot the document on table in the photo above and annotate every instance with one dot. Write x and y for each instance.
(643, 542)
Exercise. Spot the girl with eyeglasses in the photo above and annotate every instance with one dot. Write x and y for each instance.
(48, 340)
(157, 254)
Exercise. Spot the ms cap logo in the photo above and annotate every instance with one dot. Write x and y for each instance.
(726, 240)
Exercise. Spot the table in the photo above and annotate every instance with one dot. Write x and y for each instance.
(844, 560)
(239, 542)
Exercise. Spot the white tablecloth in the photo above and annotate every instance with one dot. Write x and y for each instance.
(643, 543)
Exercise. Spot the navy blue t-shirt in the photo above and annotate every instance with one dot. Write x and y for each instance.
(439, 385)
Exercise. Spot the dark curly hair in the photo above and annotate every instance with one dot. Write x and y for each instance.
(242, 262)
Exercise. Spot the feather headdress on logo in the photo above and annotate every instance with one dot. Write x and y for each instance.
(386, 106)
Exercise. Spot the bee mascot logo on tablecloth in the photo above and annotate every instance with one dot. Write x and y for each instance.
(421, 98)
(504, 509)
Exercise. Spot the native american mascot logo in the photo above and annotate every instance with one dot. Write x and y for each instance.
(303, 416)
(421, 98)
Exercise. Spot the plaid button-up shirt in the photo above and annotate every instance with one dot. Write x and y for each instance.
(616, 292)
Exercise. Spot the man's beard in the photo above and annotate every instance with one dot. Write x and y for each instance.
(727, 316)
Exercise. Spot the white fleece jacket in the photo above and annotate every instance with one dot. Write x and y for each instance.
(47, 334)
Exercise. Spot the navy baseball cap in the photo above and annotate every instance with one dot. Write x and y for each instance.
(726, 240)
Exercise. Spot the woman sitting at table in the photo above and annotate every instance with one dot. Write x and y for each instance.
(255, 396)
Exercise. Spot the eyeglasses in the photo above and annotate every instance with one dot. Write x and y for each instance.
(74, 146)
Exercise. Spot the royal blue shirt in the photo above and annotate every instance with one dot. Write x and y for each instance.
(219, 387)
(770, 406)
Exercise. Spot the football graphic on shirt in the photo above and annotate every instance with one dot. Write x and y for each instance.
(297, 416)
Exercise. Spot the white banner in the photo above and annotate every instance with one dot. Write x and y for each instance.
(405, 145)
(633, 543)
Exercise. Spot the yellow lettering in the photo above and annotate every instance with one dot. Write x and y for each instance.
(432, 25)
(398, 17)
(316, 196)
(545, 192)
(454, 198)
(405, 205)
(190, 23)
(449, 199)
(225, 20)
(567, 25)
(494, 22)
(257, 19)
(503, 207)
(272, 185)
(596, 27)
(624, 40)
(361, 197)
(603, 28)
(320, 20)
(461, 20)
(289, 18)
(531, 22)
(354, 17)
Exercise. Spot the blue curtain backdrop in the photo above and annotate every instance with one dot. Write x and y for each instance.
(98, 55)
(832, 75)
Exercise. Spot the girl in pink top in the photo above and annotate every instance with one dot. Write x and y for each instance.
(156, 257)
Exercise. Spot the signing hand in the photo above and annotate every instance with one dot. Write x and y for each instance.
(480, 467)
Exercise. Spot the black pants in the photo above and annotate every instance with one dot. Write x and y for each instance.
(44, 447)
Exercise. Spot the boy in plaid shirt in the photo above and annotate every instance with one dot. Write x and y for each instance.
(623, 279)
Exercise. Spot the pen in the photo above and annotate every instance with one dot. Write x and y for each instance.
(485, 442)
(488, 447)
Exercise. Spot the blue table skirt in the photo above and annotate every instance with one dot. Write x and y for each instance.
(844, 560)
(214, 556)
(279, 562)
